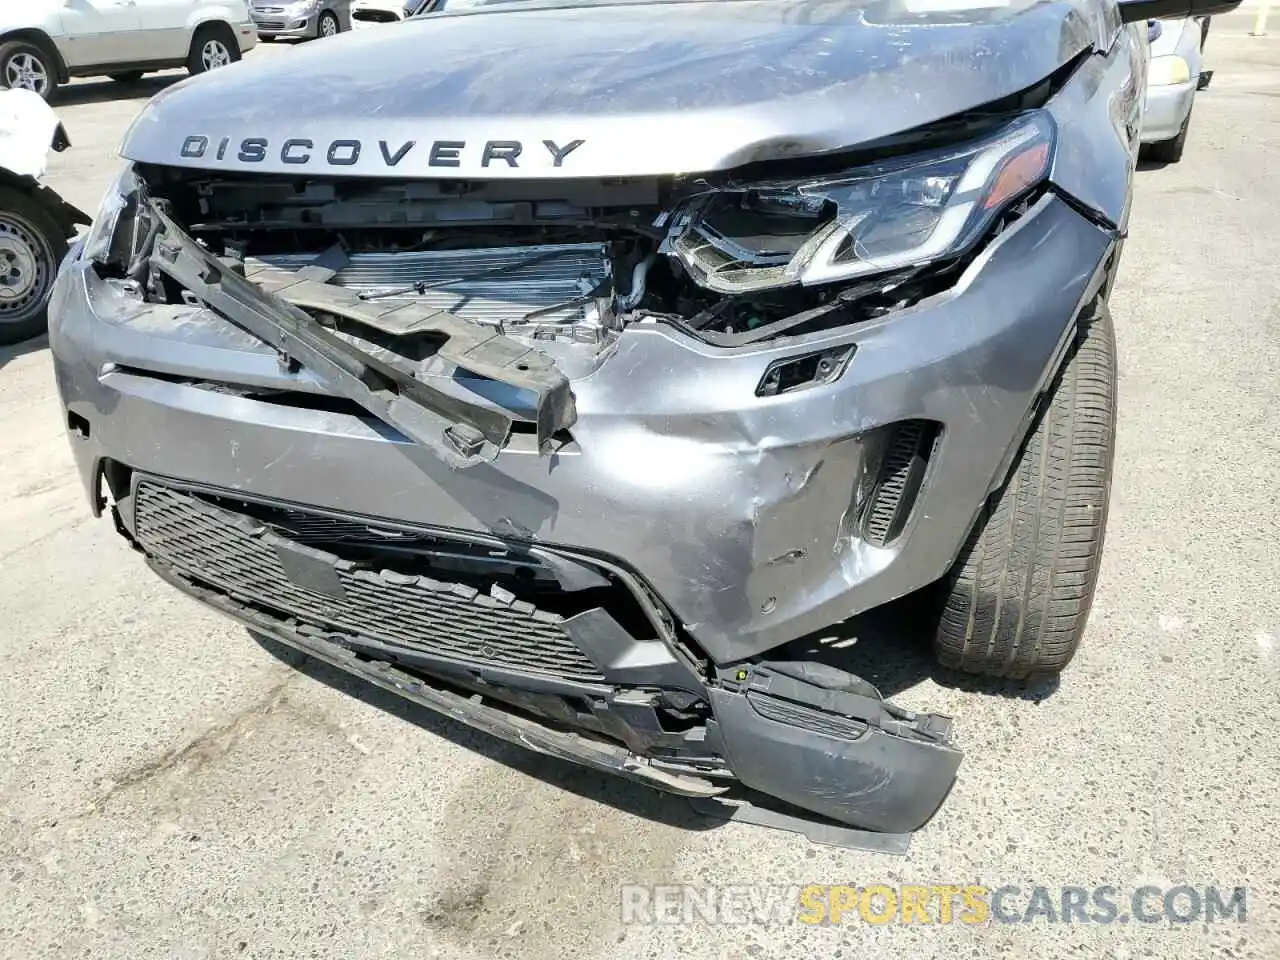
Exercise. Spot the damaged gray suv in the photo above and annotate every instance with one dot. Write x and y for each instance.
(576, 378)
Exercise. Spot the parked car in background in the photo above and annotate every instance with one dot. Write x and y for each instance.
(369, 13)
(44, 43)
(372, 13)
(1176, 73)
(300, 19)
(34, 221)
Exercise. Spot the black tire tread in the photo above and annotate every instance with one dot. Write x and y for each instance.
(1018, 598)
(332, 16)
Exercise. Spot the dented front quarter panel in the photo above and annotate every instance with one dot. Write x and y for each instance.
(1099, 116)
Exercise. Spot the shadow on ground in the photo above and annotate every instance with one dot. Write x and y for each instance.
(891, 647)
(15, 350)
(104, 90)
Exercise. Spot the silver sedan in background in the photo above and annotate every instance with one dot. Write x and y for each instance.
(300, 19)
(1176, 73)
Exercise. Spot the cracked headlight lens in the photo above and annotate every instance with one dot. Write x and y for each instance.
(904, 212)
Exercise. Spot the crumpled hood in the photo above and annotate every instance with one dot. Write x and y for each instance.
(619, 89)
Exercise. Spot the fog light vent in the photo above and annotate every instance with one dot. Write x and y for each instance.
(906, 457)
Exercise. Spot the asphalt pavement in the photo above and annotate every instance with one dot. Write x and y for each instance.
(170, 787)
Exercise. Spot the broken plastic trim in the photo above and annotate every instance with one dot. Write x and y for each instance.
(461, 433)
(474, 710)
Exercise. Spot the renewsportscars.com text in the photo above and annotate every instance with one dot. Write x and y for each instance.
(939, 903)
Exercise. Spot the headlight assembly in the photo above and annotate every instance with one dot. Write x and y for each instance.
(1168, 70)
(905, 212)
(112, 237)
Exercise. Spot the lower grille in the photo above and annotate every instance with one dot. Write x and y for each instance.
(244, 558)
(271, 24)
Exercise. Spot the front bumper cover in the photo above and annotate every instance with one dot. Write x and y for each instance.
(733, 507)
(810, 736)
(284, 26)
(730, 507)
(1167, 109)
(881, 782)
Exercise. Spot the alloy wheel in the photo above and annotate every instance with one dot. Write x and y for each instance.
(25, 71)
(214, 54)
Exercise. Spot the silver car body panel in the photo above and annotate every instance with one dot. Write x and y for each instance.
(289, 20)
(637, 88)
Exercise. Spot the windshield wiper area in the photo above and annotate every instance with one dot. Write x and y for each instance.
(460, 432)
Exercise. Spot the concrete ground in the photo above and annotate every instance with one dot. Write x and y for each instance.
(171, 788)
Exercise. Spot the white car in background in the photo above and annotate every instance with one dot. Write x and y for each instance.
(35, 222)
(1176, 72)
(371, 13)
(44, 43)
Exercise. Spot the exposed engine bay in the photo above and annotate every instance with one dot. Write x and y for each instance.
(728, 260)
(575, 265)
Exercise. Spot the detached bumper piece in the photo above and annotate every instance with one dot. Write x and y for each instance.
(823, 740)
(563, 680)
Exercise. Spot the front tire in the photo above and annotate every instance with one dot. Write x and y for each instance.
(1018, 598)
(31, 247)
(213, 46)
(327, 25)
(26, 66)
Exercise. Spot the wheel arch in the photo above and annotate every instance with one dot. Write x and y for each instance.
(1095, 297)
(39, 38)
(67, 215)
(205, 21)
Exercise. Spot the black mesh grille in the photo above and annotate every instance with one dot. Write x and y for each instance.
(239, 555)
(901, 471)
